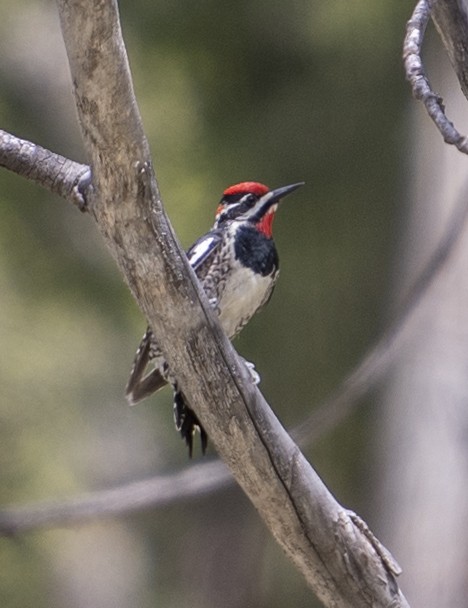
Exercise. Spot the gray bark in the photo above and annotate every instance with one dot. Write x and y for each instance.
(54, 172)
(451, 20)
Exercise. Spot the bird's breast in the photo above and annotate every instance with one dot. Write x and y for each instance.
(244, 294)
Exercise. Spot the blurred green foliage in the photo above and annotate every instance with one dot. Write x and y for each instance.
(271, 91)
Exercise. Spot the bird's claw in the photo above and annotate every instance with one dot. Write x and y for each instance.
(252, 371)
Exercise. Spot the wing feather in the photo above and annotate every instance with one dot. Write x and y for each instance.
(140, 386)
(203, 250)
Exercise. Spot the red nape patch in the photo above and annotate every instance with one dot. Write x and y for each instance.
(246, 187)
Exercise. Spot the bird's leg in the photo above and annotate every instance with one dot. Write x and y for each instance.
(214, 304)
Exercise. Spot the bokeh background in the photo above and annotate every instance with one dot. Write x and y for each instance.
(271, 91)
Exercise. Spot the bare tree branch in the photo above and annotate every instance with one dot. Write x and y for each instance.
(159, 491)
(65, 182)
(363, 378)
(414, 66)
(339, 557)
(56, 173)
(303, 516)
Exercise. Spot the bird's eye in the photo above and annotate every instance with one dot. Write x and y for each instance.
(250, 199)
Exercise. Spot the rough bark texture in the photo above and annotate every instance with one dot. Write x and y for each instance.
(417, 77)
(58, 174)
(451, 20)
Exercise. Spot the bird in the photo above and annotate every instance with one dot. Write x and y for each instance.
(237, 263)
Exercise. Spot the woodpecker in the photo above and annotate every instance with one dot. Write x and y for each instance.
(237, 265)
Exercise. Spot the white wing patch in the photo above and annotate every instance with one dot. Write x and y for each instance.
(200, 250)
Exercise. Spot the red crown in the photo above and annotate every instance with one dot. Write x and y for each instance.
(246, 187)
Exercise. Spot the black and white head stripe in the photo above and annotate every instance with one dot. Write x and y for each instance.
(250, 206)
(235, 206)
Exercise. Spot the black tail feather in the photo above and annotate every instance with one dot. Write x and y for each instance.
(141, 386)
(187, 422)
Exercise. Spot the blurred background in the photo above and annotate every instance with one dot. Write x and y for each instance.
(261, 90)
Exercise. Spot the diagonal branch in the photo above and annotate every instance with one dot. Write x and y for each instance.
(363, 378)
(343, 564)
(125, 194)
(138, 493)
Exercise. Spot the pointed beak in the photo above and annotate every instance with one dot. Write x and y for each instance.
(275, 195)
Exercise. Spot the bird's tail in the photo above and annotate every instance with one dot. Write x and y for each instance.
(187, 423)
(139, 386)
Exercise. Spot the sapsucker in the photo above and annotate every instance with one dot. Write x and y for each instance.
(237, 265)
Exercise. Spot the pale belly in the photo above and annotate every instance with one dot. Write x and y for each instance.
(244, 294)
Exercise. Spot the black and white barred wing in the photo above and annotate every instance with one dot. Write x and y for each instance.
(139, 385)
(202, 253)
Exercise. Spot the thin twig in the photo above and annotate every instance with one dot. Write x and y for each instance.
(416, 75)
